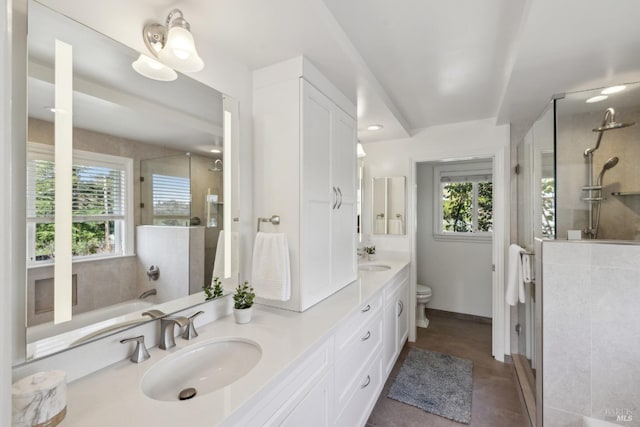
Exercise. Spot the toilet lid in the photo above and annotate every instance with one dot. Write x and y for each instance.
(423, 290)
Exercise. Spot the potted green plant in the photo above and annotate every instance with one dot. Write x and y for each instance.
(213, 290)
(371, 252)
(243, 303)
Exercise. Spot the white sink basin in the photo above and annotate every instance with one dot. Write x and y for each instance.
(373, 267)
(205, 367)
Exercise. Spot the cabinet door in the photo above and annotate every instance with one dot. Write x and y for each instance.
(315, 409)
(389, 346)
(402, 316)
(343, 178)
(317, 111)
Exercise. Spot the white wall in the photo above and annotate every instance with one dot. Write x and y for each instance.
(458, 272)
(481, 138)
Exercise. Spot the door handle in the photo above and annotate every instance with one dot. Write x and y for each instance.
(340, 199)
(367, 382)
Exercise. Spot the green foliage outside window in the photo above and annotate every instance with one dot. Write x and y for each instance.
(458, 207)
(94, 193)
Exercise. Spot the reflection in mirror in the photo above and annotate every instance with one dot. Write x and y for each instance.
(146, 218)
(388, 205)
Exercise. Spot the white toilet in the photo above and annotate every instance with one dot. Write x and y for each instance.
(423, 296)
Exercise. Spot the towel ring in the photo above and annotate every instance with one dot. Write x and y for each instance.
(274, 220)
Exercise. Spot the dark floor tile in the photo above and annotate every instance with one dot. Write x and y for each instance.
(495, 401)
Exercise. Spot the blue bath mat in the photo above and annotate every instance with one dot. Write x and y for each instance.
(436, 383)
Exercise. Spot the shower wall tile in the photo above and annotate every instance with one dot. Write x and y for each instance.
(557, 418)
(615, 352)
(559, 252)
(591, 332)
(619, 256)
(567, 338)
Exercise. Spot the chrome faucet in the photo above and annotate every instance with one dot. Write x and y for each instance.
(140, 354)
(167, 330)
(148, 293)
(190, 331)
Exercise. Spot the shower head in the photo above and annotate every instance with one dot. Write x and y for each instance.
(613, 125)
(608, 123)
(609, 164)
(216, 166)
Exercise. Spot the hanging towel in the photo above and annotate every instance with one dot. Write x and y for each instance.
(271, 272)
(395, 226)
(527, 271)
(515, 281)
(218, 263)
(379, 226)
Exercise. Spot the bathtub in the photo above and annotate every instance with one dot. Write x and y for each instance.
(48, 338)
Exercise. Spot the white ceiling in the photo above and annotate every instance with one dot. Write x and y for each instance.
(415, 63)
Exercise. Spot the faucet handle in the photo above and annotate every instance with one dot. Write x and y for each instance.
(190, 331)
(140, 354)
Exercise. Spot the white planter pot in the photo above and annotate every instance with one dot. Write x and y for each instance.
(371, 257)
(242, 315)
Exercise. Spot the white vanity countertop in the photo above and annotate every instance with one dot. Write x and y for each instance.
(112, 396)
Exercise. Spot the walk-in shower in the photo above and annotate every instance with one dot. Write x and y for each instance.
(594, 189)
(597, 181)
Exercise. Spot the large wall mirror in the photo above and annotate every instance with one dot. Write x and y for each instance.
(130, 188)
(388, 205)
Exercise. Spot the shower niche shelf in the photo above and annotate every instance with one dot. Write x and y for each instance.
(625, 193)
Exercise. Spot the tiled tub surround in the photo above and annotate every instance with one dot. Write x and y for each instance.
(591, 332)
(104, 397)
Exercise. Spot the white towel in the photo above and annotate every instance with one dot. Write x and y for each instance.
(218, 263)
(527, 271)
(395, 226)
(515, 282)
(270, 268)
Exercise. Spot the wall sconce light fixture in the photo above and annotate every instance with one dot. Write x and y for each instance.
(153, 69)
(172, 44)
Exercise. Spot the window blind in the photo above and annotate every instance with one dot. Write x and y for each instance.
(171, 196)
(98, 192)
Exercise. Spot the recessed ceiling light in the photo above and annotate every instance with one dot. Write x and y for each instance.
(613, 89)
(215, 150)
(597, 98)
(374, 127)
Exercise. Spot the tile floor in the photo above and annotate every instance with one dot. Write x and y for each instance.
(495, 400)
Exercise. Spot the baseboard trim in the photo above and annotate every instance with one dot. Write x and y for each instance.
(462, 316)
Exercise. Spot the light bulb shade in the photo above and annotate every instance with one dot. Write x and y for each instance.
(152, 69)
(360, 151)
(179, 51)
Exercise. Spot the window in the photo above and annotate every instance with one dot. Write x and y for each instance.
(464, 205)
(102, 200)
(171, 200)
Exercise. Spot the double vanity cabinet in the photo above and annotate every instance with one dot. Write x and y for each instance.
(323, 367)
(338, 383)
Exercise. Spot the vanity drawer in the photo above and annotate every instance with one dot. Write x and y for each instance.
(366, 313)
(353, 353)
(363, 396)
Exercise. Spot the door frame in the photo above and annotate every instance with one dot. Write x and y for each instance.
(500, 336)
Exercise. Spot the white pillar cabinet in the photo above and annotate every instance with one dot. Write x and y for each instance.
(305, 172)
